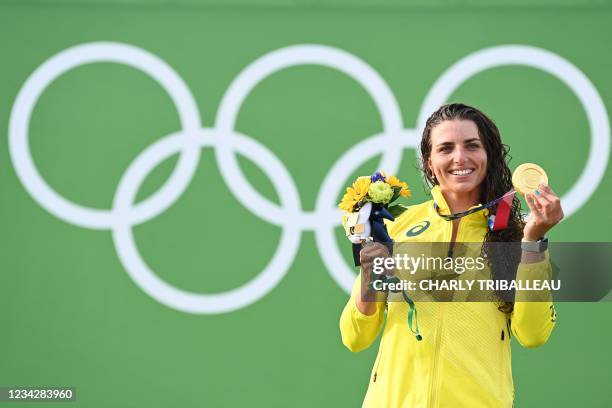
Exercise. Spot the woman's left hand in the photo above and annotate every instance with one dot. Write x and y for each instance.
(546, 212)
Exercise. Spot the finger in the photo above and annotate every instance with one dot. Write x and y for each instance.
(551, 196)
(367, 268)
(543, 204)
(545, 192)
(532, 205)
(380, 252)
(369, 254)
(367, 251)
(381, 248)
(547, 207)
(372, 248)
(365, 255)
(369, 262)
(546, 188)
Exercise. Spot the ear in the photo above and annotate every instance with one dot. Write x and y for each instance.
(429, 165)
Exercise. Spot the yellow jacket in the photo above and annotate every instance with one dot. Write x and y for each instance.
(464, 359)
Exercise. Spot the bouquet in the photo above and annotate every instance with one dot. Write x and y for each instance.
(367, 203)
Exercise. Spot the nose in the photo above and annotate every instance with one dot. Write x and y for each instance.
(459, 155)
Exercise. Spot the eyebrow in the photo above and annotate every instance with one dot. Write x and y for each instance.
(474, 139)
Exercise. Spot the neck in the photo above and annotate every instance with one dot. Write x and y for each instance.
(459, 202)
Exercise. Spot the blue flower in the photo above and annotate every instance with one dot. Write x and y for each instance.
(378, 176)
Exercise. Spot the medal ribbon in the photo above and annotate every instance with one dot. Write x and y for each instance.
(413, 322)
(498, 221)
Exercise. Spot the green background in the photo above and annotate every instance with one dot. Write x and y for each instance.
(71, 314)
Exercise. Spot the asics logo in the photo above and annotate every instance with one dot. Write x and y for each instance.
(417, 229)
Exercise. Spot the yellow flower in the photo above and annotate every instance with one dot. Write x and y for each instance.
(394, 182)
(354, 194)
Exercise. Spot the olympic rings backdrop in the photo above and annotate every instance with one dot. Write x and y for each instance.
(171, 170)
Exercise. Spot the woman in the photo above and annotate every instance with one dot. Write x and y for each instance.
(464, 357)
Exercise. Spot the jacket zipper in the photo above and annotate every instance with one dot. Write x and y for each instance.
(380, 357)
(434, 378)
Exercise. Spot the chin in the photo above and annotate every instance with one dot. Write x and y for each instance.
(460, 188)
(463, 188)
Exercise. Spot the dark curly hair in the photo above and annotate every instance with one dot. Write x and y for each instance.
(504, 259)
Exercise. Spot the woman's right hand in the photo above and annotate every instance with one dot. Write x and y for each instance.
(366, 301)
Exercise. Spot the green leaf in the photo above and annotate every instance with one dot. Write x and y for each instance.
(396, 194)
(397, 210)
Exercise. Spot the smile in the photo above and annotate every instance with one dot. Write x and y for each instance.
(463, 172)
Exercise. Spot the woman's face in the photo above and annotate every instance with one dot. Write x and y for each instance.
(458, 158)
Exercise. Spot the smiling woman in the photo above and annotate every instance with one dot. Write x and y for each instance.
(460, 355)
(458, 160)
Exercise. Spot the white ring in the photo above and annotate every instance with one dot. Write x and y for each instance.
(160, 290)
(273, 62)
(71, 58)
(569, 74)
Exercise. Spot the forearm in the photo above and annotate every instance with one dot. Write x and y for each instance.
(533, 318)
(361, 320)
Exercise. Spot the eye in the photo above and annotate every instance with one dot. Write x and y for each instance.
(473, 146)
(445, 149)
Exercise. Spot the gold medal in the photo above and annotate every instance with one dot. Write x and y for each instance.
(527, 178)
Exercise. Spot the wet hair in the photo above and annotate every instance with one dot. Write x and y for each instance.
(503, 259)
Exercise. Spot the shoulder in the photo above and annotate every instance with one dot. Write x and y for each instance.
(413, 214)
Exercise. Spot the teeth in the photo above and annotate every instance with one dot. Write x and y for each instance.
(462, 172)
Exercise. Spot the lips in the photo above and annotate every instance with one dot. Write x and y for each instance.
(461, 172)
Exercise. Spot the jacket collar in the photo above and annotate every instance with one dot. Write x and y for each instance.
(443, 208)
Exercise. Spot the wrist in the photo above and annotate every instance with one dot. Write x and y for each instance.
(532, 237)
(537, 246)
